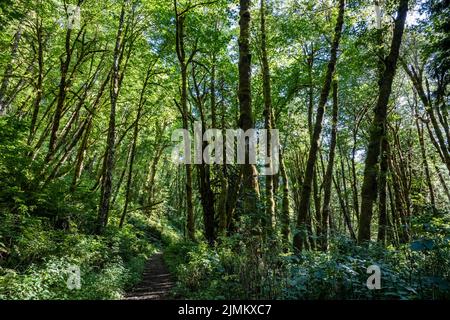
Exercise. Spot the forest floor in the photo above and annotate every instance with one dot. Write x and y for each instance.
(156, 282)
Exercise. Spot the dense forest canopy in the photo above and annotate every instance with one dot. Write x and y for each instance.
(91, 93)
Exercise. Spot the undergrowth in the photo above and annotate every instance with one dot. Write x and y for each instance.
(419, 269)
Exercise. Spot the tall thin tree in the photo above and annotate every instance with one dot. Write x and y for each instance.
(302, 214)
(108, 160)
(378, 127)
(250, 174)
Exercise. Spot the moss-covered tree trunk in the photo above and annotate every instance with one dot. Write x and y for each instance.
(250, 174)
(377, 130)
(329, 172)
(184, 62)
(300, 237)
(267, 92)
(108, 160)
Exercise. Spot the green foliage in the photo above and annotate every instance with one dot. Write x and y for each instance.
(108, 264)
(204, 273)
(227, 271)
(44, 229)
(340, 273)
(48, 210)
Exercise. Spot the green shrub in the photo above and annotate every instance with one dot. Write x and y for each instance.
(226, 272)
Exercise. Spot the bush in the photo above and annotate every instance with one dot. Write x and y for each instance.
(225, 272)
(45, 228)
(108, 265)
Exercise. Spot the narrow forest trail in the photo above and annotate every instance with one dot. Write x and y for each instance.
(156, 282)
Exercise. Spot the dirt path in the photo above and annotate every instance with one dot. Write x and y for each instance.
(156, 281)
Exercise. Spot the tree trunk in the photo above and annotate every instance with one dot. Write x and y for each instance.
(417, 80)
(108, 160)
(249, 172)
(179, 19)
(329, 172)
(354, 186)
(316, 210)
(150, 184)
(9, 70)
(441, 179)
(133, 147)
(37, 100)
(62, 90)
(207, 198)
(382, 208)
(234, 189)
(299, 238)
(344, 207)
(285, 216)
(222, 173)
(267, 92)
(419, 127)
(82, 149)
(377, 131)
(395, 224)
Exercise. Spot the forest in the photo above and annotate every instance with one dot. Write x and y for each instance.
(349, 198)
